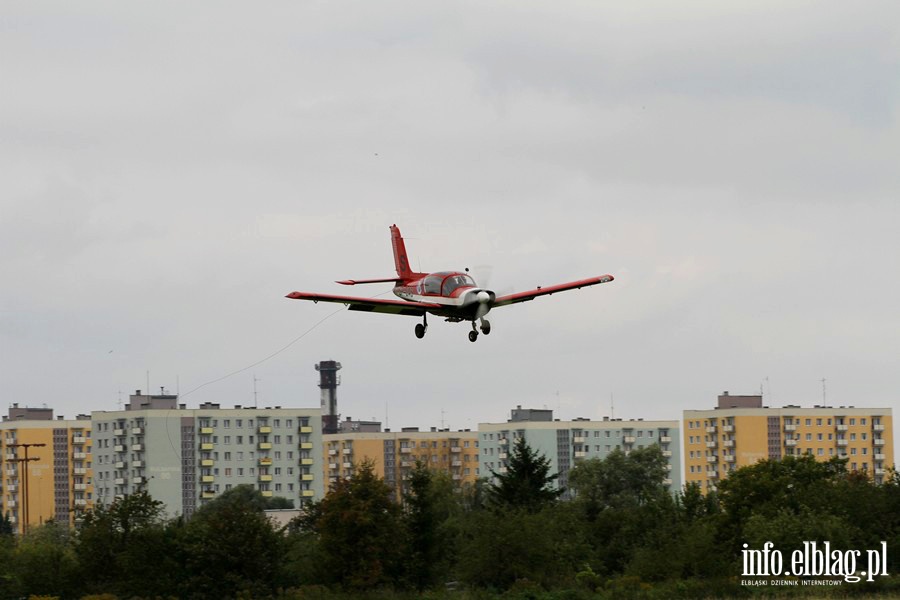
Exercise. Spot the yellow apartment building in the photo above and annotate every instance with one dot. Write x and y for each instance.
(395, 453)
(55, 482)
(741, 431)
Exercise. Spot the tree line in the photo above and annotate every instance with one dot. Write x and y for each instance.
(623, 534)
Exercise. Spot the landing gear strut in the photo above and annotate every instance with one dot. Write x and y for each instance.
(422, 327)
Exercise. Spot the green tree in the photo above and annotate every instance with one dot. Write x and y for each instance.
(527, 483)
(619, 480)
(358, 532)
(229, 547)
(44, 562)
(6, 526)
(278, 503)
(124, 547)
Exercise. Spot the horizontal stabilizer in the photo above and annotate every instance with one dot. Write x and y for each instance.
(356, 281)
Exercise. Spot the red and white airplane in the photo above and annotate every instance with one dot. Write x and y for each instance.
(449, 294)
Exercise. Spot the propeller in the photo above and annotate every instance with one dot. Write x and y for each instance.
(485, 300)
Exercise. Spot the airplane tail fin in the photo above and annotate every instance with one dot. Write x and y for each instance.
(401, 261)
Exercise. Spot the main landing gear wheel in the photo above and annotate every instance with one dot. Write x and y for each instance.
(473, 335)
(485, 326)
(422, 327)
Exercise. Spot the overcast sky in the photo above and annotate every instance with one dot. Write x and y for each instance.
(169, 171)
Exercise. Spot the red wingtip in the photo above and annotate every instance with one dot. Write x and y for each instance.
(346, 282)
(294, 295)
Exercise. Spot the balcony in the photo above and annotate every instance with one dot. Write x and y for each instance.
(842, 442)
(138, 464)
(332, 466)
(728, 443)
(878, 441)
(712, 474)
(665, 439)
(790, 442)
(265, 477)
(667, 481)
(457, 476)
(503, 441)
(265, 461)
(628, 439)
(578, 439)
(138, 447)
(207, 478)
(12, 473)
(348, 465)
(668, 466)
(263, 429)
(455, 449)
(877, 427)
(711, 429)
(306, 429)
(841, 427)
(121, 464)
(502, 455)
(79, 471)
(10, 503)
(879, 456)
(207, 446)
(712, 458)
(667, 453)
(206, 431)
(264, 445)
(207, 494)
(308, 493)
(80, 487)
(580, 454)
(307, 477)
(405, 450)
(712, 444)
(119, 448)
(790, 427)
(79, 455)
(118, 432)
(137, 431)
(332, 452)
(120, 481)
(456, 463)
(138, 480)
(347, 451)
(79, 439)
(266, 493)
(80, 502)
(406, 463)
(729, 458)
(879, 471)
(12, 488)
(306, 461)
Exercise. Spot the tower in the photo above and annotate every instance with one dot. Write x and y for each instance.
(328, 382)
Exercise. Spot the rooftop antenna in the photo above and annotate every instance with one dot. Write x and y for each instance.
(612, 407)
(386, 422)
(442, 418)
(120, 400)
(255, 379)
(823, 392)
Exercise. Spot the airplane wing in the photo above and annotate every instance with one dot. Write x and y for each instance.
(393, 307)
(552, 289)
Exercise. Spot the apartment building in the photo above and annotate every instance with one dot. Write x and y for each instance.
(394, 453)
(565, 443)
(186, 457)
(45, 467)
(741, 431)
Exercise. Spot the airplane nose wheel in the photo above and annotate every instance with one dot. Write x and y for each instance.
(473, 335)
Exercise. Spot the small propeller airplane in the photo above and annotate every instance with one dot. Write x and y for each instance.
(449, 294)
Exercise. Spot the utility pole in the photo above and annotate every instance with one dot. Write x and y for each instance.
(23, 469)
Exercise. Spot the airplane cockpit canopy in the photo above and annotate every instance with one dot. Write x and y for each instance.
(445, 283)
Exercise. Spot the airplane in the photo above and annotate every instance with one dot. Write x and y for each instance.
(449, 294)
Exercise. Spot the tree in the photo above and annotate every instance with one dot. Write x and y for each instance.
(124, 547)
(6, 526)
(230, 547)
(619, 480)
(44, 562)
(358, 532)
(527, 483)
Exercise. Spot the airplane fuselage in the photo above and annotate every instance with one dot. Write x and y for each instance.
(456, 292)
